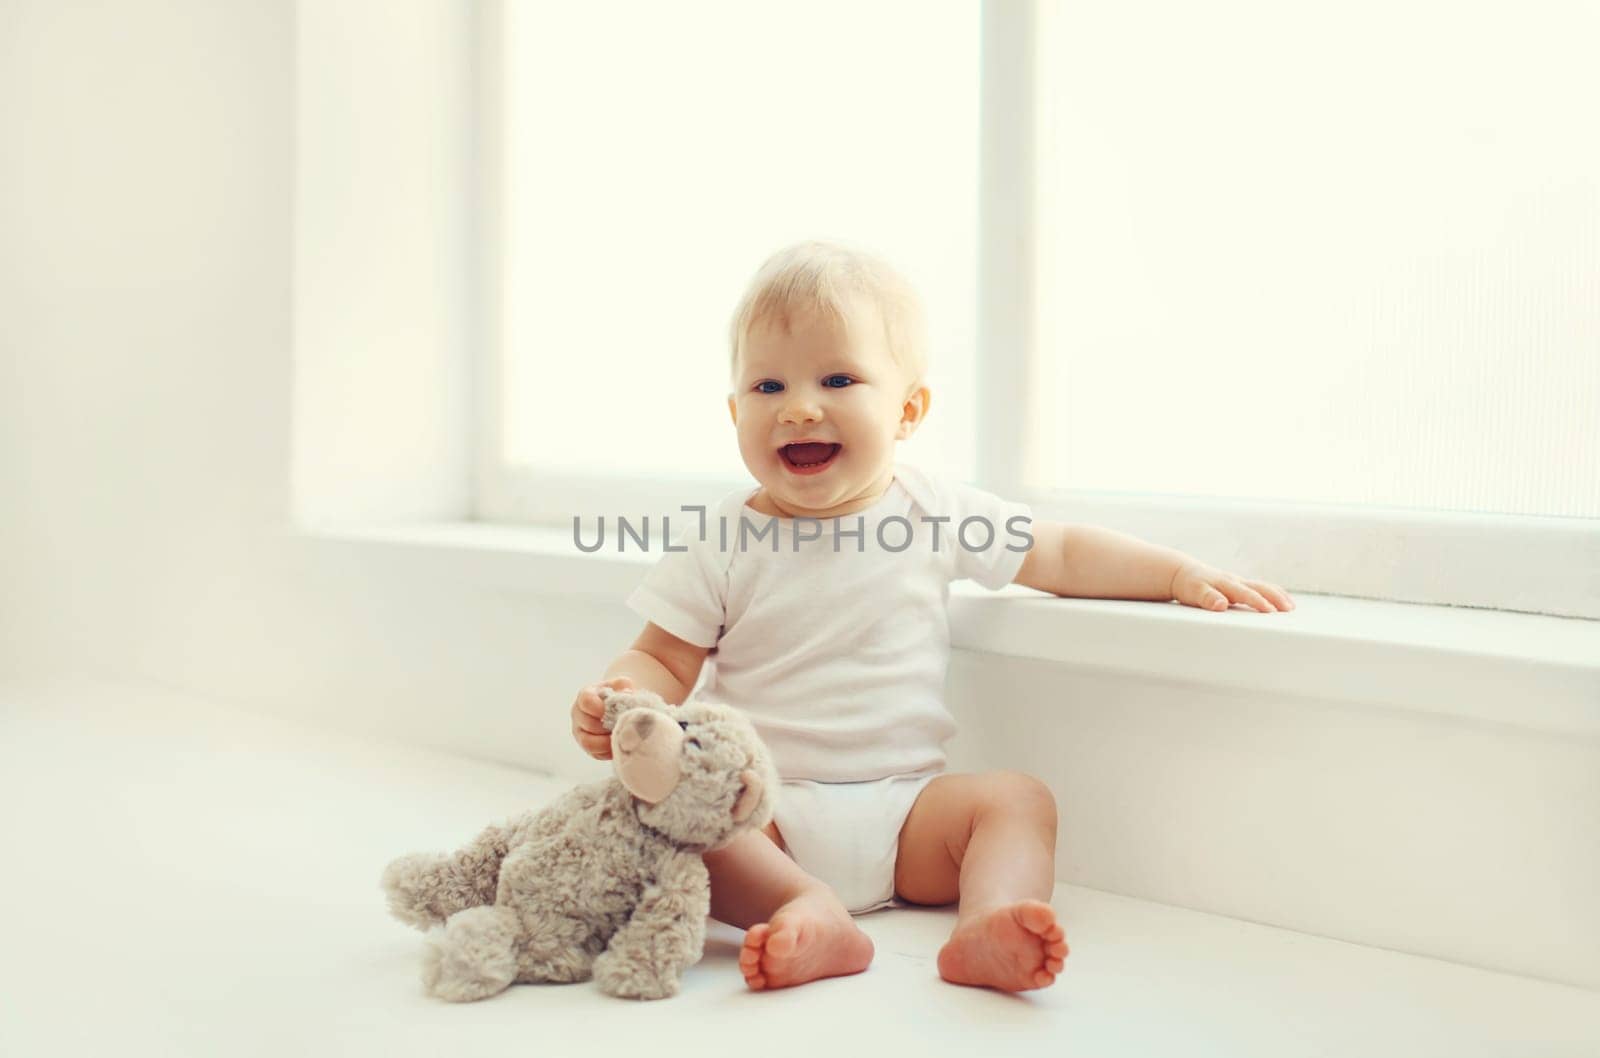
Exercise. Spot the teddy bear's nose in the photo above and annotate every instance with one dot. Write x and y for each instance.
(648, 749)
(635, 731)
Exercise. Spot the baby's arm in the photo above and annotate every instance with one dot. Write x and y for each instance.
(658, 661)
(1088, 562)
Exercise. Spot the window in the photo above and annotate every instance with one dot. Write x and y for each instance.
(1351, 261)
(653, 156)
(1307, 293)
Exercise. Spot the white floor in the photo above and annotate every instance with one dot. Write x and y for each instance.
(185, 878)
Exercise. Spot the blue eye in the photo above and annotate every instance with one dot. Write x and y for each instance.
(843, 380)
(761, 387)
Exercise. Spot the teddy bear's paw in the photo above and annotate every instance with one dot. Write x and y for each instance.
(473, 957)
(621, 977)
(410, 883)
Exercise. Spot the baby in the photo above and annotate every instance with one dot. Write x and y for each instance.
(820, 598)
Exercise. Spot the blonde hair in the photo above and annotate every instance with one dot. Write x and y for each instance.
(827, 278)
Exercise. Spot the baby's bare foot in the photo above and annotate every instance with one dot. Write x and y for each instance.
(1012, 948)
(809, 937)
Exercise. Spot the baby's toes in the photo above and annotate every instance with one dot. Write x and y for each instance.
(750, 955)
(755, 939)
(1039, 918)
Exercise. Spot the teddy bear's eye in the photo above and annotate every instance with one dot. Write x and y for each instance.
(683, 725)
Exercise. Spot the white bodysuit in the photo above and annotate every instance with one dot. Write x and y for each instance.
(832, 635)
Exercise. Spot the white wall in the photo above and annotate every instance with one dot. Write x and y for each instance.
(143, 263)
(1452, 837)
(384, 206)
(145, 420)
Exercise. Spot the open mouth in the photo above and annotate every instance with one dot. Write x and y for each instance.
(808, 458)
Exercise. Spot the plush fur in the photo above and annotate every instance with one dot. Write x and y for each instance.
(606, 881)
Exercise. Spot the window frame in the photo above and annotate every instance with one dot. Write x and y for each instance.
(1520, 563)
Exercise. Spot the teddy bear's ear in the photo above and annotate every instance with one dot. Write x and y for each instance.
(749, 797)
(615, 702)
(618, 702)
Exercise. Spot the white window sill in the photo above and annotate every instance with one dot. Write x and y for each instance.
(1524, 670)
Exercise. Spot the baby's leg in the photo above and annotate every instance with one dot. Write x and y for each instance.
(798, 931)
(988, 840)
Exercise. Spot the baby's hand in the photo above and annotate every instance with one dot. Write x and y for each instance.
(1196, 584)
(587, 713)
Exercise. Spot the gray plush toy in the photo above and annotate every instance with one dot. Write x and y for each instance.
(607, 880)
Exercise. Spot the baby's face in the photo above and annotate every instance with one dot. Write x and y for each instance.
(842, 394)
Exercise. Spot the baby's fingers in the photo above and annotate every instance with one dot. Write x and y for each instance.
(1275, 594)
(593, 705)
(589, 702)
(588, 715)
(597, 746)
(1200, 593)
(590, 707)
(1236, 591)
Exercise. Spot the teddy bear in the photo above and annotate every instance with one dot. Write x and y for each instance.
(606, 881)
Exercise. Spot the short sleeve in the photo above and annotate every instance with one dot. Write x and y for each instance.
(992, 535)
(685, 592)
